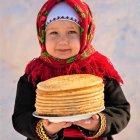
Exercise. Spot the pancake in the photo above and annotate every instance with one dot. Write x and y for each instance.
(70, 95)
(68, 82)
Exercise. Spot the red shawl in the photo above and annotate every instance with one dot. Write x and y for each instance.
(87, 61)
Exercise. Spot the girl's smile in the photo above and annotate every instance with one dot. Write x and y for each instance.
(64, 50)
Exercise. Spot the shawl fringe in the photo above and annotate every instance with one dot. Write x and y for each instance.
(97, 64)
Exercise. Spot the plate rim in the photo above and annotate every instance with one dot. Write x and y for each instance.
(71, 118)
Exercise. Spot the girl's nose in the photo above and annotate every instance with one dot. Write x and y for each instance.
(63, 40)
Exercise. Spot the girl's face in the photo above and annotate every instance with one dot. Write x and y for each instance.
(62, 39)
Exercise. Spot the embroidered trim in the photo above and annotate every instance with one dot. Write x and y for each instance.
(102, 126)
(41, 132)
(67, 18)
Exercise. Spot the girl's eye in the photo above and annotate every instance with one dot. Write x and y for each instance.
(72, 32)
(53, 33)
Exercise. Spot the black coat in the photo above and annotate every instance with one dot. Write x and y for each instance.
(117, 110)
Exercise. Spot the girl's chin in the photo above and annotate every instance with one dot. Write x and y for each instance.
(64, 57)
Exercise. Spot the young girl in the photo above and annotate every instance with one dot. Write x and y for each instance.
(65, 30)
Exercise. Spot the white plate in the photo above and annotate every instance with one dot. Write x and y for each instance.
(67, 118)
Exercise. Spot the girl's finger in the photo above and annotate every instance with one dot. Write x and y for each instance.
(45, 122)
(95, 117)
(67, 125)
(87, 121)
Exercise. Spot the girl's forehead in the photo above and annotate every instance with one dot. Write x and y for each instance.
(62, 24)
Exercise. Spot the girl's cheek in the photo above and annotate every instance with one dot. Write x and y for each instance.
(51, 38)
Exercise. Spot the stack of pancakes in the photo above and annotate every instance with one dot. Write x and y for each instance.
(70, 95)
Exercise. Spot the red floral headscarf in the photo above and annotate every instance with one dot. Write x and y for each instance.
(87, 61)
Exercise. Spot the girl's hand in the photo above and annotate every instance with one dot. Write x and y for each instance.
(53, 128)
(91, 124)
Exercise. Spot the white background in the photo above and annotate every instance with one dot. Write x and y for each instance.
(117, 36)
